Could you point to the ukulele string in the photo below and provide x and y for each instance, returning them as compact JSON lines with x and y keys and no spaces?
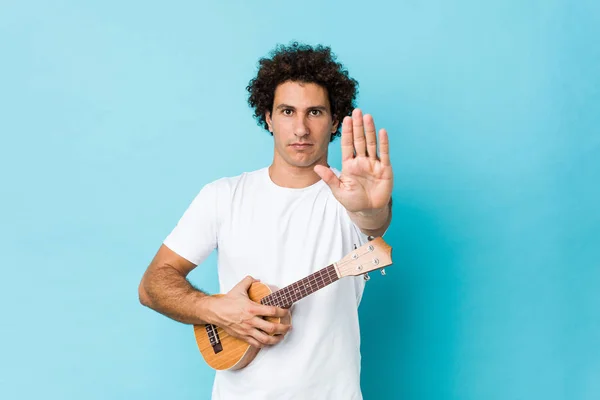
{"x":222,"y":334}
{"x":313,"y":287}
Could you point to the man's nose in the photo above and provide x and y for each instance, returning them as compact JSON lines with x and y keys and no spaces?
{"x":301,"y":126}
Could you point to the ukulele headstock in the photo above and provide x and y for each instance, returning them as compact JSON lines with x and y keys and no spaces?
{"x":373,"y":255}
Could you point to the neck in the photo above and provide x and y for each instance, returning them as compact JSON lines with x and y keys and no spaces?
{"x":290,"y":294}
{"x":291,"y":176}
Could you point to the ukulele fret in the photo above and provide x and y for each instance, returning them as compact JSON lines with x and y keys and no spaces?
{"x":298,"y":290}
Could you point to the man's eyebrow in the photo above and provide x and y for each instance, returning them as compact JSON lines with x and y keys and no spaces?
{"x":283,"y":105}
{"x":323,"y":108}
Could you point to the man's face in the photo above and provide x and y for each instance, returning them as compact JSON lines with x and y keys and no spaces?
{"x":301,"y":123}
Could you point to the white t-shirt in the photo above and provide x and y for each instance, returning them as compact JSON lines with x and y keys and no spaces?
{"x":280,"y":235}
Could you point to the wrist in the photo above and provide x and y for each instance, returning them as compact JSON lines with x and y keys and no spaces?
{"x":373,"y":222}
{"x":205,"y":309}
{"x":372,"y":212}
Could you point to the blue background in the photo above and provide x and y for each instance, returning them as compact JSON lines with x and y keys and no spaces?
{"x":113,"y":114}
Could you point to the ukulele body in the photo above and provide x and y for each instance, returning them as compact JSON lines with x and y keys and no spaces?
{"x":224,"y":352}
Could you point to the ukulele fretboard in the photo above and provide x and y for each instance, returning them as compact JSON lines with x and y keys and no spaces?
{"x":287,"y":296}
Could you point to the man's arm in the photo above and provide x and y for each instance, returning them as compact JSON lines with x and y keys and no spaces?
{"x":373,"y":222}
{"x":364,"y":186}
{"x":165,"y":289}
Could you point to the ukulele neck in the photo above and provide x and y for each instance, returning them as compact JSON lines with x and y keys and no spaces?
{"x":290,"y":294}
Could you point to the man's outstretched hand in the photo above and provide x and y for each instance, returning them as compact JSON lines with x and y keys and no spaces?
{"x":366,"y":180}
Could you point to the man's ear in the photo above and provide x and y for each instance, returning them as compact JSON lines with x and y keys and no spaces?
{"x":335,"y":124}
{"x":269,"y":121}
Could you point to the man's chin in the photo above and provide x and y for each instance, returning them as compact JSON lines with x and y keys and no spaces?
{"x":301,"y":160}
{"x":304,"y":163}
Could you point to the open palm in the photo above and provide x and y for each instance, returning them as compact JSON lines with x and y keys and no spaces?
{"x":366,"y":180}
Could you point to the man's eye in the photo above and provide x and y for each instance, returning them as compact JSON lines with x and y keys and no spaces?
{"x":287,"y":111}
{"x":315,"y":112}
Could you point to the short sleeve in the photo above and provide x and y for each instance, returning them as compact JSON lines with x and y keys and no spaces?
{"x":195,"y":235}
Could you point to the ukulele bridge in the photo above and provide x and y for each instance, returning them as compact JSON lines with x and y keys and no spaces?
{"x":213,"y":337}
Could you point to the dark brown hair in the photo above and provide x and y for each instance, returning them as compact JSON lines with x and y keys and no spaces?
{"x":302,"y":63}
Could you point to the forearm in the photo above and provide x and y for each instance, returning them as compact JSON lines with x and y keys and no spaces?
{"x":166,"y":291}
{"x":373,"y":222}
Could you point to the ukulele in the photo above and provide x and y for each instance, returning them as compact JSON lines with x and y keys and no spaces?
{"x":224,"y":352}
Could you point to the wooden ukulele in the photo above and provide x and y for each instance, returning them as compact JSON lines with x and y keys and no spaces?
{"x":224,"y":352}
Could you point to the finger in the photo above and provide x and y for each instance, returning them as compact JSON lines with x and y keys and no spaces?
{"x":270,"y":328}
{"x":328,"y":176}
{"x":371,"y":137}
{"x":244,"y":284}
{"x":265,"y":339}
{"x":252,"y":342}
{"x":347,"y":140}
{"x":358,"y":133}
{"x":243,"y":332}
{"x":384,"y":147}
{"x":268,"y":311}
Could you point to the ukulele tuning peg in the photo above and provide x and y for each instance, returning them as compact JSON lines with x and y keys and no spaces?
{"x":367,"y":277}
{"x":383,"y":271}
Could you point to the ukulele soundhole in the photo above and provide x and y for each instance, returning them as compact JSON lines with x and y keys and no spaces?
{"x":213,"y":337}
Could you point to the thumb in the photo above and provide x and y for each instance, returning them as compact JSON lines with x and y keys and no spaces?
{"x":245,"y":284}
{"x":328,"y":177}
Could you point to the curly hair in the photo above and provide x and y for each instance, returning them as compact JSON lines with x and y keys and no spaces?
{"x":302,"y":63}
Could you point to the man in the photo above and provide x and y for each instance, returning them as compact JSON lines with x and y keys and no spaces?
{"x":281,"y":223}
